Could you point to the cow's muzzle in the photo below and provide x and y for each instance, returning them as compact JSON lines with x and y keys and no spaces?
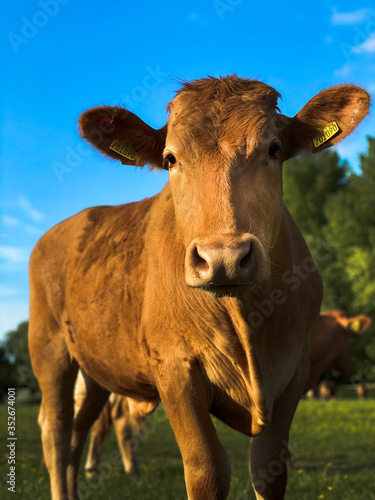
{"x":225,"y":262}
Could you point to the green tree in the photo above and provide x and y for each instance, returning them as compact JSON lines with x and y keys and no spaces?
{"x":17,"y":352}
{"x":350,"y":230}
{"x":308,"y":183}
{"x":335,"y":209}
{"x":7,"y":374}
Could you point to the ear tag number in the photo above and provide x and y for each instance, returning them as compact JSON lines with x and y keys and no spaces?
{"x":122,"y":149}
{"x":329,"y":131}
{"x":355,"y":325}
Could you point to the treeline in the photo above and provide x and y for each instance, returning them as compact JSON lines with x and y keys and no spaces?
{"x":335,"y":210}
{"x":15,"y":363}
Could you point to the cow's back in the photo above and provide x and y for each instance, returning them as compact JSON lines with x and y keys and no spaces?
{"x":87,"y":277}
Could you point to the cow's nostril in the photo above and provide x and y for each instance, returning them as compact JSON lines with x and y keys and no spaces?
{"x":199,"y":261}
{"x":247,"y":261}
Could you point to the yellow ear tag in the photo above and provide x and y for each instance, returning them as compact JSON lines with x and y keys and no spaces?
{"x":355,"y":325}
{"x":329,"y":131}
{"x":122,"y":149}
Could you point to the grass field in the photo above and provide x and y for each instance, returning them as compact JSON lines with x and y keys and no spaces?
{"x":333,"y":446}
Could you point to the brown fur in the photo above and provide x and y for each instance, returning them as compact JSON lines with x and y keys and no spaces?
{"x":156,"y":299}
{"x":230,"y":118}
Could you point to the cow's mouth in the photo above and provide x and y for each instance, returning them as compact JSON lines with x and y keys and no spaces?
{"x":233,"y":290}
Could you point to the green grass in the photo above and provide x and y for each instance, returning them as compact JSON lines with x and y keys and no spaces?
{"x":333,"y":446}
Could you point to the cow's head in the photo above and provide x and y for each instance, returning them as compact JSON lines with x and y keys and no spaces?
{"x":341,"y":330}
{"x":224,"y":146}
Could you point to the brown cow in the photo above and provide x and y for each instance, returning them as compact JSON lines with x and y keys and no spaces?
{"x":160,"y":299}
{"x":327,"y":390}
{"x":361,"y":390}
{"x":117,"y":411}
{"x":330,"y":344}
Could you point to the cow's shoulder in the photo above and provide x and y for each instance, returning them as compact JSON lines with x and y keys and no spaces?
{"x":91,"y":227}
{"x":90,"y":252}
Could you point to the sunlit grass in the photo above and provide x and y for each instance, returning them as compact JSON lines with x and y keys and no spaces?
{"x":333,"y":447}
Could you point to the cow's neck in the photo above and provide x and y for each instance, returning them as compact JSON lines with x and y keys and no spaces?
{"x":224,"y":325}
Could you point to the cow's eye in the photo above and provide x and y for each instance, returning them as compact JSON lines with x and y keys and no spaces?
{"x":273,"y":150}
{"x":171,"y":160}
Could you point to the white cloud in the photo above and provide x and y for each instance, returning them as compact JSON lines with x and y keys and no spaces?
{"x":30,"y":211}
{"x":367,"y":46}
{"x":14,"y":255}
{"x":344,"y":71}
{"x":12,"y":222}
{"x":33,"y":230}
{"x":7,"y":220}
{"x":11,"y":314}
{"x":350,"y":18}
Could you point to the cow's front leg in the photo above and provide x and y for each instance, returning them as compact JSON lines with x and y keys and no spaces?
{"x":187,"y":397}
{"x":269,"y":455}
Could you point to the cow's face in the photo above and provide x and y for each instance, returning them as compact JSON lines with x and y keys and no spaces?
{"x":223,"y":146}
{"x":224,"y":160}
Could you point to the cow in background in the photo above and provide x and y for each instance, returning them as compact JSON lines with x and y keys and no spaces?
{"x":330,"y":344}
{"x":327,"y":390}
{"x":361,"y":390}
{"x":126,"y":414}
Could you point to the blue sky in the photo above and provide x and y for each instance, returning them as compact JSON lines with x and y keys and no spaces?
{"x":61,"y":57}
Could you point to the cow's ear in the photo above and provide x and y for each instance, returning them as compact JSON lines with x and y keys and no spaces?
{"x":120,"y":134}
{"x":327,"y":119}
{"x":359,"y":324}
